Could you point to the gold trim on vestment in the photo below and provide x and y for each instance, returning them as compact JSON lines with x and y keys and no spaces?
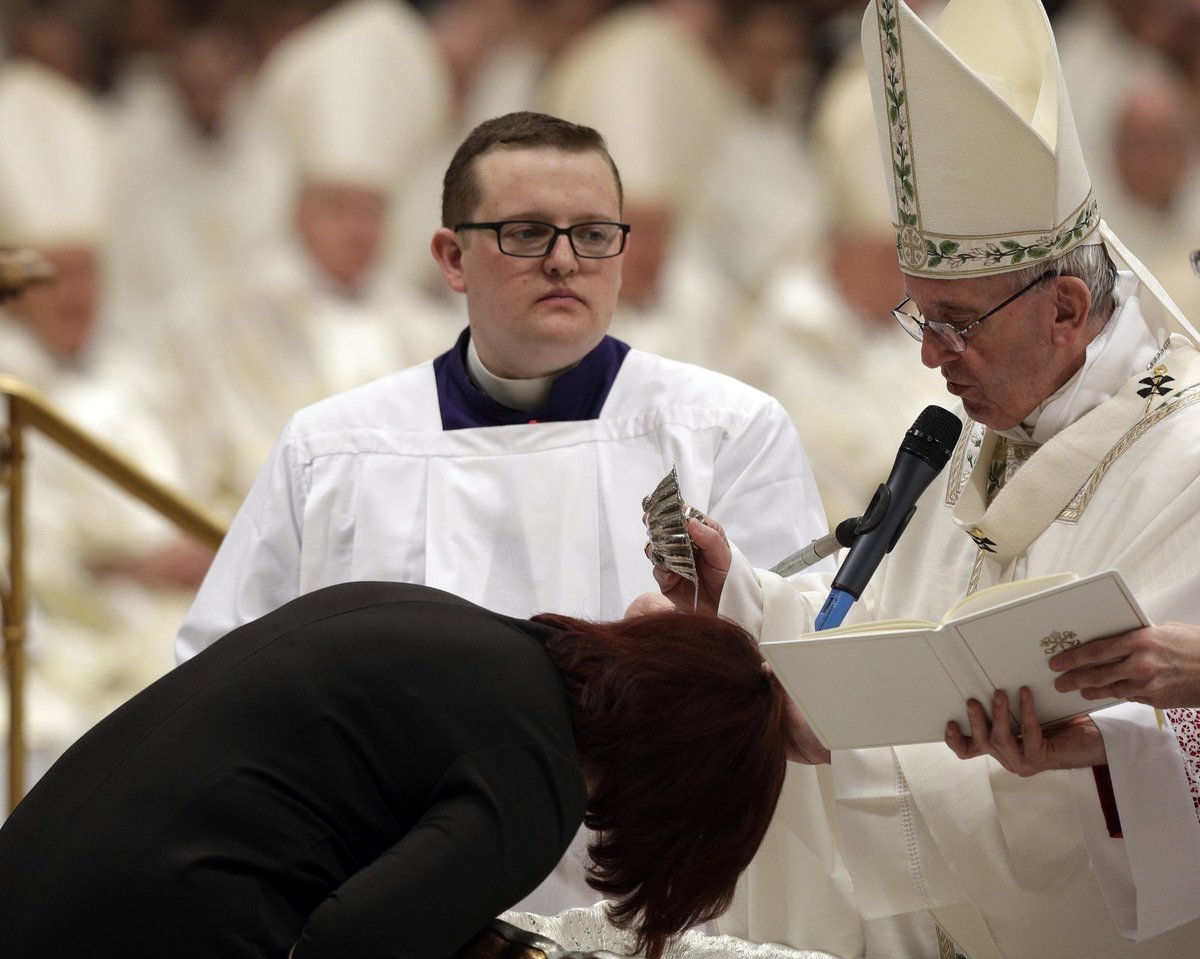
{"x":958,"y":477}
{"x":1072,"y":512}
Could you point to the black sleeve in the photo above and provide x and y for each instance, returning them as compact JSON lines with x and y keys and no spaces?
{"x":497,"y":824}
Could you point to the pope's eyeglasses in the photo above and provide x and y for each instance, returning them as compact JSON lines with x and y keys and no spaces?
{"x":915,"y":324}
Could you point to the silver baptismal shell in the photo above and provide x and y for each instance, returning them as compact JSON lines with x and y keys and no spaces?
{"x":666,"y":521}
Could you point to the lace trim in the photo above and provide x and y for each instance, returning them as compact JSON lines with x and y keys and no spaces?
{"x":589,"y":929}
{"x":1185,"y":723}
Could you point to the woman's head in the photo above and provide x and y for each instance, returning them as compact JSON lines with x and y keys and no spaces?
{"x":683,"y":737}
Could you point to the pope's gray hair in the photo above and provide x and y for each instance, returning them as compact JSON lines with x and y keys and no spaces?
{"x":1090,"y":263}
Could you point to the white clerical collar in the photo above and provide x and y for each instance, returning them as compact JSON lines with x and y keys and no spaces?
{"x":515,"y":394}
{"x":1125,"y":346}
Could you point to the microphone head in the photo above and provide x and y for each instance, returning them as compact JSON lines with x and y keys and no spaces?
{"x":932,"y":436}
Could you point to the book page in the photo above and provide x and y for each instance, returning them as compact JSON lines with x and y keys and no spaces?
{"x":1002,"y":593}
{"x":1013,"y":644}
{"x":868,"y":691}
{"x":880,"y":627}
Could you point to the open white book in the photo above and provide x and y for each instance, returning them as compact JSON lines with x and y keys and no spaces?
{"x":900,"y":681}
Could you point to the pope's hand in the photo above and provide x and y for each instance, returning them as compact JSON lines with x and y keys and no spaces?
{"x":713,"y":559}
{"x":1071,"y":745}
{"x":1158,"y":665}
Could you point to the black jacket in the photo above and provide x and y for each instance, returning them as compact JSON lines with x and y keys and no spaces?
{"x":375,"y":769}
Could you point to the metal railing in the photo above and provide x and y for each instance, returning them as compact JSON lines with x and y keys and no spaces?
{"x":28,"y":409}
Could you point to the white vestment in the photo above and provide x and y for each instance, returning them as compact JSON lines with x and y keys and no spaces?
{"x":522,"y":518}
{"x":664,"y":105}
{"x":863,"y":855}
{"x":295,"y":339}
{"x":95,"y":638}
{"x":851,"y":384}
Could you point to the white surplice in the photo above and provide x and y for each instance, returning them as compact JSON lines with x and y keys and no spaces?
{"x":521,"y":519}
{"x":863,"y":856}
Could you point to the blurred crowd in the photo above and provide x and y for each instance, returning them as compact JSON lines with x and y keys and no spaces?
{"x":238,"y":197}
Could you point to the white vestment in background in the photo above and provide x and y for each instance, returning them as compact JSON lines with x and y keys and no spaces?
{"x":295,"y":339}
{"x":95,"y":638}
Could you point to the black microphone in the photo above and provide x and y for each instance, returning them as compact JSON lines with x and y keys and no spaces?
{"x":844,"y":535}
{"x":924,"y":451}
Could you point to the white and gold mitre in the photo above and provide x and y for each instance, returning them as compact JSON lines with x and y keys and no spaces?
{"x":976,"y":130}
{"x":358,"y":94}
{"x":54,"y":160}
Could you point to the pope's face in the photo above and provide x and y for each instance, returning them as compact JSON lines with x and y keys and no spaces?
{"x":535,"y":316}
{"x":1013,"y":360}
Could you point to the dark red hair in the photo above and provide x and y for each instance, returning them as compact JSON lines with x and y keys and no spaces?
{"x":683,"y":737}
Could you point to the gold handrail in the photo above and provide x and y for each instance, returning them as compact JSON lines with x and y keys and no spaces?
{"x":28,"y":409}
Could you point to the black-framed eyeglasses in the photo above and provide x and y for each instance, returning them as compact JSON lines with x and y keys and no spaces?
{"x":594,"y":240}
{"x":954,"y":337}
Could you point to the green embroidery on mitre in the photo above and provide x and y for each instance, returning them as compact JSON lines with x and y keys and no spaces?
{"x":925,"y":252}
{"x":910,"y":243}
{"x":932,"y":254}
